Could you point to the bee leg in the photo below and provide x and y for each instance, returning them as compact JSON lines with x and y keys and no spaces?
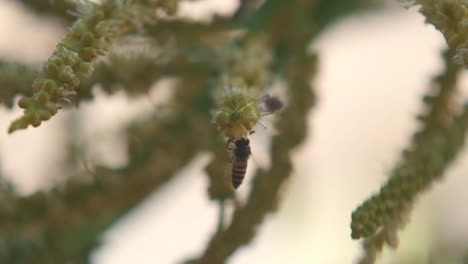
{"x":263,"y":124}
{"x":267,"y":113}
{"x":231,"y":140}
{"x":251,"y":132}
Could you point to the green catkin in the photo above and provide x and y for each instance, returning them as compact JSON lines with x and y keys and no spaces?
{"x":434,"y":146}
{"x":451,"y":18}
{"x":247,"y":73}
{"x":249,"y":62}
{"x":91,"y":36}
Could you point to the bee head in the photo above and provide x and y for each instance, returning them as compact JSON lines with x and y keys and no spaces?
{"x":242,"y":142}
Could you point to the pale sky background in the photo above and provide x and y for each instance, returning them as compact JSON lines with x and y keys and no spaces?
{"x":374,"y":69}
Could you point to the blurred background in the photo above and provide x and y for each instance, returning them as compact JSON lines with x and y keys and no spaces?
{"x":374,"y":67}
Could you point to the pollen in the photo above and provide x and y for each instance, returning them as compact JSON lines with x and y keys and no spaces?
{"x":238,"y":113}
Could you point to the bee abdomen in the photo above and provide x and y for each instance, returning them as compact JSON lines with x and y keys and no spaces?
{"x":238,"y":173}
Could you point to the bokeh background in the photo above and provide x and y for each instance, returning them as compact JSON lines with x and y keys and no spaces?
{"x":374,"y":67}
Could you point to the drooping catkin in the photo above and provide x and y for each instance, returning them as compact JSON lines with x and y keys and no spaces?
{"x":434,"y":146}
{"x":91,"y":36}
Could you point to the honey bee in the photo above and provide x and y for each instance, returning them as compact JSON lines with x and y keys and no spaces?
{"x":240,"y":111}
{"x":240,"y":159}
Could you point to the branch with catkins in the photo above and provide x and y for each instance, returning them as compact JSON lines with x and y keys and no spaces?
{"x":434,"y":146}
{"x":91,"y":36}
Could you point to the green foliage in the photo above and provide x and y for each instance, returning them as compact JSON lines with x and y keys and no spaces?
{"x":252,"y":49}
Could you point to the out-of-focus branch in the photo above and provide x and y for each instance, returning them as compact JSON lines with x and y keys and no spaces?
{"x":219,"y":176}
{"x":245,"y":8}
{"x":158,"y":146}
{"x":191,"y":33}
{"x":49,"y":219}
{"x":15,"y":79}
{"x":328,"y":11}
{"x":58,"y":8}
{"x":136,"y":73}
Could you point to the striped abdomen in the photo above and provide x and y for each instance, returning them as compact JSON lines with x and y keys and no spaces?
{"x":239,"y":167}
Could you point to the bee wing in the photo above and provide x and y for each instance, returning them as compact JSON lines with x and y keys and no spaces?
{"x":270,"y":104}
